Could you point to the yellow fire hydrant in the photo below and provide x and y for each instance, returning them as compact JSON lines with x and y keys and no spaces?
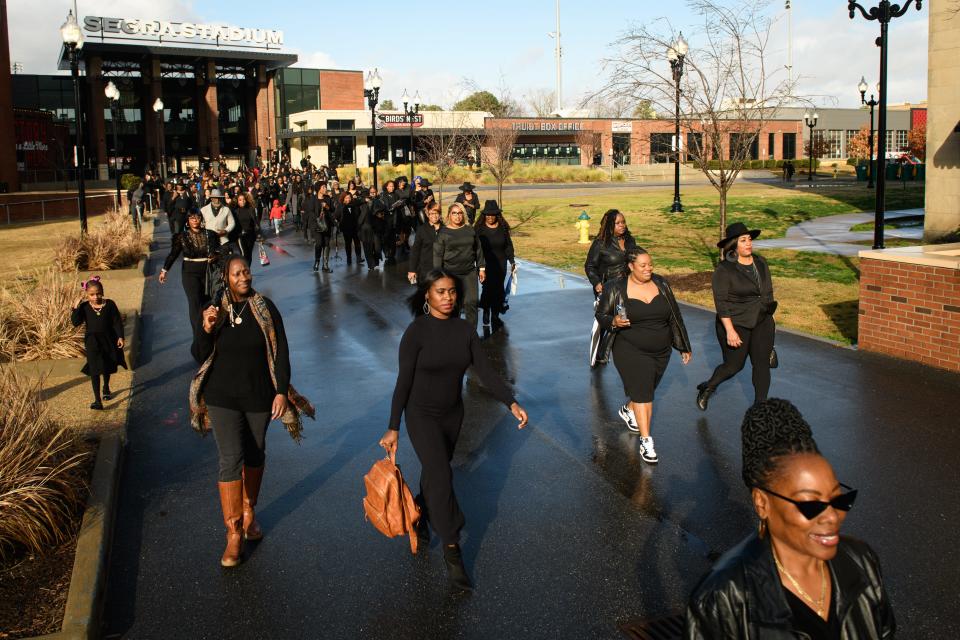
{"x":583,"y":226}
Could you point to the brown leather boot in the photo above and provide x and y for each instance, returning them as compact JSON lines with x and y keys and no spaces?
{"x":252,"y":477}
{"x":231,"y":501}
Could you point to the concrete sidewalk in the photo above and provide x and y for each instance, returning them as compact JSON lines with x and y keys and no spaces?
{"x":832,"y":234}
{"x":568,"y":532}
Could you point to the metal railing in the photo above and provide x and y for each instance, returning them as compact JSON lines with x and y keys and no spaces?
{"x":45,"y":203}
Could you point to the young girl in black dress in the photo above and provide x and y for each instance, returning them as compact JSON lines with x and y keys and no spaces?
{"x":103,"y":341}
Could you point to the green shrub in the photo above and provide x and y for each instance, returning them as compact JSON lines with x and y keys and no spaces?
{"x":129,"y":181}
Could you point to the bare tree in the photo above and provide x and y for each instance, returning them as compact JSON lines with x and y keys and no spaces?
{"x":498,"y":154}
{"x":589,"y":141}
{"x":451,"y":142}
{"x":727,"y":91}
{"x":542,"y":102}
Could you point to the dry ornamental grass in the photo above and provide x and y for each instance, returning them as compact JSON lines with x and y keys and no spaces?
{"x":35,"y":318}
{"x":112,"y":244}
{"x":41,"y":487}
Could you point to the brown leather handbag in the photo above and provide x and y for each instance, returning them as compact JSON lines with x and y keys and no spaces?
{"x":389,"y":505}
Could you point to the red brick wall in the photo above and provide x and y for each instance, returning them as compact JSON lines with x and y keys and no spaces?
{"x":910,"y":311}
{"x":341,"y":90}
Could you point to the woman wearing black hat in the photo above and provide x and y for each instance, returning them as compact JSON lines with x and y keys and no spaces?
{"x":743,"y":296}
{"x":457,"y":250}
{"x":469,"y":200}
{"x":494,"y":234}
{"x":422,"y":199}
{"x":200,"y":248}
{"x":796,"y":576}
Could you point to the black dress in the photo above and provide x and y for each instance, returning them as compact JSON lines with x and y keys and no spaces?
{"x":198,"y":275}
{"x":641,"y":351}
{"x":103,"y":329}
{"x":497,"y":250}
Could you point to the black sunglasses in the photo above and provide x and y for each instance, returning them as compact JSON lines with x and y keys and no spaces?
{"x":812,"y":508}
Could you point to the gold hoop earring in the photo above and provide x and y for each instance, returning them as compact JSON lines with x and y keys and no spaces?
{"x":426,"y":308}
{"x":762,"y":529}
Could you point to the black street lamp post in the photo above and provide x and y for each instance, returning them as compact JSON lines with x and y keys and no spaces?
{"x":870,"y":103}
{"x":73,"y":41}
{"x":811,"y":122}
{"x":158,"y":108}
{"x":371,"y":92}
{"x":113,"y":95}
{"x":676,"y":53}
{"x":410,"y":114}
{"x":883,"y":13}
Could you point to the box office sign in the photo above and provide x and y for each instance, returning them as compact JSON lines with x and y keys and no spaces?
{"x":394,"y":120}
{"x":547,"y":126}
{"x":162,"y":30}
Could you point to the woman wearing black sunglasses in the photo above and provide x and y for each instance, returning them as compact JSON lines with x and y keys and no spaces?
{"x":796,"y":574}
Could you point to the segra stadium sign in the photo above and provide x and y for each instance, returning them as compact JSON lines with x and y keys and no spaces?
{"x":181,"y":31}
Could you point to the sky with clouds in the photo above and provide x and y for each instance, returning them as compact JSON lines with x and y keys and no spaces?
{"x":440,"y":47}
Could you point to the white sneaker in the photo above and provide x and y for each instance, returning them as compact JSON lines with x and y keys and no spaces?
{"x":647,"y":452}
{"x":627,"y":414}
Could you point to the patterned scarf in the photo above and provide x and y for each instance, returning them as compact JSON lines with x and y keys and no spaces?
{"x":296,"y":404}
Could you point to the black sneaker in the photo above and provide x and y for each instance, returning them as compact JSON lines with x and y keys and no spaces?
{"x":647,"y":452}
{"x":97,"y":406}
{"x":628,"y":416}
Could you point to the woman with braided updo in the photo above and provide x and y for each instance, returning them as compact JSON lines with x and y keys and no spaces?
{"x":796,"y":576}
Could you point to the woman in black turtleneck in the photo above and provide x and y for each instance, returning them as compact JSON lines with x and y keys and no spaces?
{"x":435,"y":351}
{"x":457,"y":249}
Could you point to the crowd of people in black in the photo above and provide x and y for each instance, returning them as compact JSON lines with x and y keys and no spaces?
{"x":795,"y":575}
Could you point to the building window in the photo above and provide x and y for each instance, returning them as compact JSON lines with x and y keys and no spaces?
{"x":739,"y":140}
{"x":789,"y":146}
{"x":661,"y":147}
{"x":848,"y":136}
{"x":902,"y":143}
{"x":694,"y":146}
{"x":341,"y":125}
{"x":540,"y":153}
{"x":771,"y":144}
{"x":833,"y":139}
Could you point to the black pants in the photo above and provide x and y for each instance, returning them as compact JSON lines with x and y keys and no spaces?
{"x":247,"y":242}
{"x":177,"y":223}
{"x":757,"y":343}
{"x":352,"y":241}
{"x":371,"y":248}
{"x":471,"y":297}
{"x":241,"y":440}
{"x":389,"y":242}
{"x":434,"y":439}
{"x":194,"y":278}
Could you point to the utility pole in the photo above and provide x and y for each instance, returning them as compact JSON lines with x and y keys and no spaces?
{"x":789,"y":44}
{"x":558,"y":53}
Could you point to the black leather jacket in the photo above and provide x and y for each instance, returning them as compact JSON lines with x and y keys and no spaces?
{"x":742,"y":597}
{"x":606,"y":261}
{"x":615,"y":293}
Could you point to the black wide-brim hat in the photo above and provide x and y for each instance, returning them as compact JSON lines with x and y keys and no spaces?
{"x":491,"y":208}
{"x":466,"y":186}
{"x":424,"y":182}
{"x":736,"y":230}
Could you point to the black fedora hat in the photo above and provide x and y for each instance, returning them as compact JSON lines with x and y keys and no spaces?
{"x":491,"y":208}
{"x":466,"y":186}
{"x":736,"y":230}
{"x":425,"y":183}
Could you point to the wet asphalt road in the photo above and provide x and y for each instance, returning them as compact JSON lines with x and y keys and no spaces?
{"x":568,"y":532}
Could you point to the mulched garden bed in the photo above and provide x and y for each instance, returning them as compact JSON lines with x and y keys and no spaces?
{"x":33,"y":588}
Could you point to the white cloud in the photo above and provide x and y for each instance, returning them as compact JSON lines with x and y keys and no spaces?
{"x":35,"y":25}
{"x":315,"y":60}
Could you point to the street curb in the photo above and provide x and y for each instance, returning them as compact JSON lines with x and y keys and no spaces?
{"x":81,"y":617}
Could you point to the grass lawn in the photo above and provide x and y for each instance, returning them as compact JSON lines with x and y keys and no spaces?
{"x":817,"y":293}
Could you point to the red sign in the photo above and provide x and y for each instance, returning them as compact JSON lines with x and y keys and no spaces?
{"x":35,"y":133}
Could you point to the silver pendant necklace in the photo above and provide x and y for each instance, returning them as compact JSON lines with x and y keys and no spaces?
{"x":235,"y":318}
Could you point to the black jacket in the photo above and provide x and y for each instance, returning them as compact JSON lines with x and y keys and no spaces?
{"x":742,"y":598}
{"x":737,"y":296}
{"x":606,"y":261}
{"x":615,"y":293}
{"x":458,"y":250}
{"x":421,"y":253}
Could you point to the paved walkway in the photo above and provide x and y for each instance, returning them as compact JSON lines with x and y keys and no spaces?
{"x":832,"y":234}
{"x":568,"y":532}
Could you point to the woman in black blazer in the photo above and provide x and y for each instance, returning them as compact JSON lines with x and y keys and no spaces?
{"x":743,"y":296}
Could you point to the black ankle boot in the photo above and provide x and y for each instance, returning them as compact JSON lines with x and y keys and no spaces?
{"x":703,"y":395}
{"x":316,"y":266}
{"x":455,"y":569}
{"x":107,"y":394}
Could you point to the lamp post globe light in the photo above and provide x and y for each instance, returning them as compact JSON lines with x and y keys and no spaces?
{"x":73,"y":41}
{"x":113,"y":95}
{"x":884,"y":12}
{"x":409,"y":114}
{"x":862,"y":86}
{"x":158,"y":109}
{"x":675,"y":54}
{"x":371,"y":91}
{"x":811,"y":122}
